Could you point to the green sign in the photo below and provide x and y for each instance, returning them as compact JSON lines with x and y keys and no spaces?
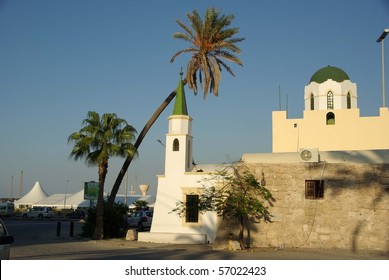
{"x":91,"y":190}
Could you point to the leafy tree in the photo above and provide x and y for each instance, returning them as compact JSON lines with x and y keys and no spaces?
{"x":100,"y":139}
{"x":212,"y":41}
{"x":234,"y":193}
{"x":141,"y":204}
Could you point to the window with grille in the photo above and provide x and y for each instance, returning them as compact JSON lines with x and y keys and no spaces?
{"x":330,"y":100}
{"x":192,"y":208}
{"x":314,"y":189}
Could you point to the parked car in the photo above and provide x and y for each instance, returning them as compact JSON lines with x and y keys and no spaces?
{"x":5,"y":242}
{"x":39,"y":212}
{"x":77,"y":214}
{"x":140,"y":219}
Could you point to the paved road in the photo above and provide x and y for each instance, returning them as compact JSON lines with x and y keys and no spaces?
{"x":38,"y":240}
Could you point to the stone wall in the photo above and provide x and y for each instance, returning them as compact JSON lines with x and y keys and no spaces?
{"x":353,"y":214}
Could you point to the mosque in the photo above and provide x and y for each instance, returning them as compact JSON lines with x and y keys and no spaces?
{"x":328,"y":171}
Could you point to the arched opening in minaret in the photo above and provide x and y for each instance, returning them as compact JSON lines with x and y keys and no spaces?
{"x":188,"y":156}
{"x":176,"y":145}
{"x":330,"y":118}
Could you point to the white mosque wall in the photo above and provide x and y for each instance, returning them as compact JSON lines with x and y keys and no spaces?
{"x":169,"y":227}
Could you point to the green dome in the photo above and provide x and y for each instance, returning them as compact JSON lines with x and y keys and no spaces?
{"x":329,"y":72}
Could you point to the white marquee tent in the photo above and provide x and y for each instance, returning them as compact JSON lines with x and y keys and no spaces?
{"x":34,"y":195}
{"x":38,"y":197}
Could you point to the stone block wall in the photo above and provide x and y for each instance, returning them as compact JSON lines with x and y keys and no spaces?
{"x":353,"y":214}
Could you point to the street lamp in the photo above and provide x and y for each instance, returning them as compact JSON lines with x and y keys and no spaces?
{"x":381,"y":39}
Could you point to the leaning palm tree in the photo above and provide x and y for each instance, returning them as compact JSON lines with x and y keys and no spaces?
{"x":212,"y":43}
{"x":100,"y":139}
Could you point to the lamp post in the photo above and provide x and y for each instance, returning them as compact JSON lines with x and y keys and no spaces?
{"x":381,"y":39}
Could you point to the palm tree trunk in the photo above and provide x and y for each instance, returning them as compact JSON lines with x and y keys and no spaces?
{"x":139,"y":140}
{"x":99,"y":226}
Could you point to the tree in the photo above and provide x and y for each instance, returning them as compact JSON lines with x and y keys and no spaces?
{"x":114,"y":219}
{"x":141,"y":204}
{"x":234,"y":193}
{"x":212,"y":43}
{"x":100,"y":139}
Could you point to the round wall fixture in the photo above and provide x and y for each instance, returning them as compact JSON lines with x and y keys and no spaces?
{"x":306,"y":155}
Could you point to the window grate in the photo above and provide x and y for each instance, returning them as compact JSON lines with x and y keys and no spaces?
{"x":314,"y":189}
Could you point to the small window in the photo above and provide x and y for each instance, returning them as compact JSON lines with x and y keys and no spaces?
{"x":330,"y":100}
{"x":176,"y":145}
{"x":192,"y":208}
{"x":188,"y":156}
{"x":312,"y":102}
{"x":314,"y":189}
{"x":348,"y":101}
{"x":330,"y":118}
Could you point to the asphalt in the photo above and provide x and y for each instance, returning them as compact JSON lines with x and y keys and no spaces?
{"x":48,"y":246}
{"x":75,"y":248}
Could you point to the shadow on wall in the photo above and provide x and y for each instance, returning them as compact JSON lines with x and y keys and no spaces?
{"x":376,"y":179}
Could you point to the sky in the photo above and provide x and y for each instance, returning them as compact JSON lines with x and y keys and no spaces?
{"x":61,"y":59}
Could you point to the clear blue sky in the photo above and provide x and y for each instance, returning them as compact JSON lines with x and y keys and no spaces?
{"x":61,"y":59}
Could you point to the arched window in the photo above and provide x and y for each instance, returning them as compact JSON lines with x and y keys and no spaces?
{"x":176,"y":145}
{"x":330,"y":118}
{"x":312,"y":102}
{"x":348,"y":101}
{"x":330,"y":100}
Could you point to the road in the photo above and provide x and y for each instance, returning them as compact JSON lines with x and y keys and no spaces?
{"x":38,"y":240}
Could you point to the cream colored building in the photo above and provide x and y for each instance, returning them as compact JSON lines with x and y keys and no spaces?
{"x":328,"y":173}
{"x":331,"y":119}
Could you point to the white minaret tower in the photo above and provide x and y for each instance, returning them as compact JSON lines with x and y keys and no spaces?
{"x":178,"y":158}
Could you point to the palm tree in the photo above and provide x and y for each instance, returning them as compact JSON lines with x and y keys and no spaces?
{"x":212,"y":43}
{"x":141,"y":204}
{"x":100,"y":139}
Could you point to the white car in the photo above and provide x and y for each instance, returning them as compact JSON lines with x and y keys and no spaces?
{"x":140,"y":219}
{"x":39,"y":212}
{"x":5,"y":242}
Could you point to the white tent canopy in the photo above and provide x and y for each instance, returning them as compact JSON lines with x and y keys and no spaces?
{"x":34,"y":195}
{"x":38,"y":197}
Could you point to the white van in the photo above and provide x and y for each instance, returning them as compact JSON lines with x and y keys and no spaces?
{"x":39,"y":212}
{"x":6,"y":208}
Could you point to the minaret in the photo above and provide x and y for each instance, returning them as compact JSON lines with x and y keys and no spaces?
{"x":178,"y":159}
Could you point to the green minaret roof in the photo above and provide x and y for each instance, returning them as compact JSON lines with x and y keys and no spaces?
{"x":180,"y":103}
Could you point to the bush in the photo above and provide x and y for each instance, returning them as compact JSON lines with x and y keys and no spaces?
{"x":113,"y":221}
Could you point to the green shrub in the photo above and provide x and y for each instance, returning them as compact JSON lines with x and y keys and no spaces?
{"x":113,"y":221}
